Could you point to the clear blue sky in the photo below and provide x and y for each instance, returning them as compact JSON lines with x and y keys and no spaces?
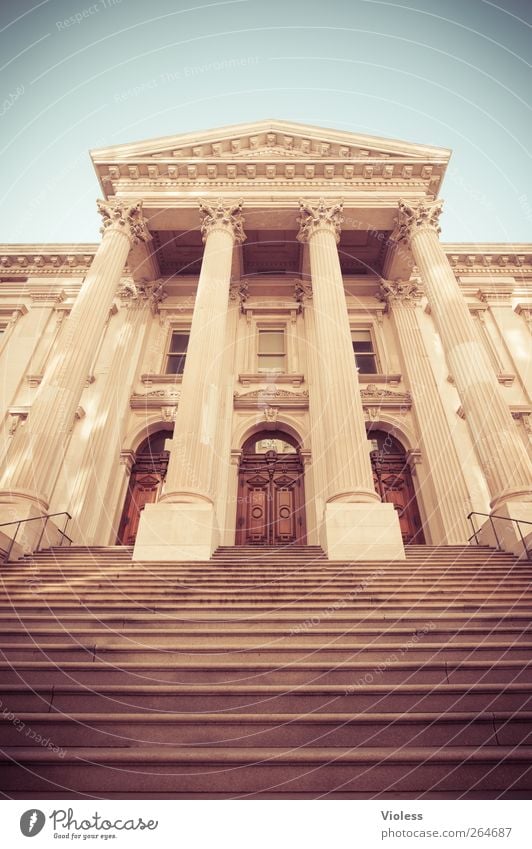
{"x":454,"y":74}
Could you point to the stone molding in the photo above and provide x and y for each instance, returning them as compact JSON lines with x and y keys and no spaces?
{"x":269,"y":395}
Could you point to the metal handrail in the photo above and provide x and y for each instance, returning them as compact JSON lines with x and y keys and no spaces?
{"x":19,"y":522}
{"x":491,"y":516}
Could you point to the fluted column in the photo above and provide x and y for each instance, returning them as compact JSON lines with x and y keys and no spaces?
{"x":303,"y":294}
{"x":348,"y":463}
{"x":452,"y":501}
{"x":190,"y":467}
{"x":90,"y":505}
{"x":38,"y":449}
{"x":506,"y":465}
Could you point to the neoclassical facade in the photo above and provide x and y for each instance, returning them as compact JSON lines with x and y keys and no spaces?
{"x":269,"y":346}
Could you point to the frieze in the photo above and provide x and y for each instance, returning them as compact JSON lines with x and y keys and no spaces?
{"x":263,"y":399}
{"x":164,"y":400}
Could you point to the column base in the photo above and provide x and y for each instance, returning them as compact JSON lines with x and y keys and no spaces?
{"x":170,"y":531}
{"x":503,"y":533}
{"x":355,"y":531}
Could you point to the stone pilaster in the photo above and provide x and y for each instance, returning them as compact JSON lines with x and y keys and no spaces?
{"x":507,"y":467}
{"x":512,"y":332}
{"x":451,"y":495}
{"x":303,"y":295}
{"x":349,"y":474}
{"x":38,"y":449}
{"x":183,"y":524}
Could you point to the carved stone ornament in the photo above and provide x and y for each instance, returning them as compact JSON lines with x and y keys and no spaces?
{"x":126,"y":217}
{"x":239,"y":292}
{"x":412,"y":219}
{"x":152,"y":292}
{"x":271,"y":393}
{"x":404,"y":291}
{"x":319,"y":217}
{"x":223,"y":216}
{"x":270,"y":414}
{"x":302,"y":291}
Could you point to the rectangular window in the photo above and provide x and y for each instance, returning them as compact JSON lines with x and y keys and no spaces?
{"x":364,"y":351}
{"x":177,"y":352}
{"x":272,"y":352}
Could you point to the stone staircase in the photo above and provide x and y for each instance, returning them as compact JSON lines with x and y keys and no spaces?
{"x":268,"y":673}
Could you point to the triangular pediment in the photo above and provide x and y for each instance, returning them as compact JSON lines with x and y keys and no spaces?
{"x":269,"y":139}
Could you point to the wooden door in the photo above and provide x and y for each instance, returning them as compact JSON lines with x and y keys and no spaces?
{"x":143,"y":489}
{"x":393,"y":482}
{"x":271,"y":501}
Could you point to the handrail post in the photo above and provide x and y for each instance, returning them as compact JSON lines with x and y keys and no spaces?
{"x":517,"y":522}
{"x":495,"y":534}
{"x":475,"y":532}
{"x":64,"y":530}
{"x":12,"y":543}
{"x":42,"y":532}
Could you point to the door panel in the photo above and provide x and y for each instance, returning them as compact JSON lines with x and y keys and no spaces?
{"x":270,"y":501}
{"x":143,"y":489}
{"x":393,"y":482}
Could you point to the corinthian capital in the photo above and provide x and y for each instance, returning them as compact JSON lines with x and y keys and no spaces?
{"x":223,"y":216}
{"x":319,"y":217}
{"x":126,"y":217}
{"x":404,"y":291}
{"x":413,"y":219}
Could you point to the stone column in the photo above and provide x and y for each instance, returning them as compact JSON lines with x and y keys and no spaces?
{"x":182,"y":525}
{"x":506,"y":465}
{"x":452,"y":502}
{"x":38,"y":450}
{"x":91,"y":504}
{"x":356,"y":525}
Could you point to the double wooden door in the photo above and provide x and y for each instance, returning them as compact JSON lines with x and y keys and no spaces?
{"x":271,"y":500}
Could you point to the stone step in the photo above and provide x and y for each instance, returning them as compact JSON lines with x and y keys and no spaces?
{"x":297,"y":621}
{"x":112,"y":649}
{"x":96,"y":672}
{"x":309,"y":610}
{"x":351,"y":697}
{"x":184,"y":593}
{"x":347,"y":730}
{"x":265,"y":638}
{"x":256,"y":771}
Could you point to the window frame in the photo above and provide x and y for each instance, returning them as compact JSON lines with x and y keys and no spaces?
{"x":267,"y":327}
{"x":375,"y":353}
{"x":182,"y":330}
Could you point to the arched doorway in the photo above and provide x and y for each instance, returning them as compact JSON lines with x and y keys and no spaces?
{"x":145,"y":483}
{"x":393,"y":481}
{"x":271,"y":497}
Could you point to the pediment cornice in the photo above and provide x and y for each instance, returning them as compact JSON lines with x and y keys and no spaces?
{"x":271,"y":135}
{"x":267,"y":151}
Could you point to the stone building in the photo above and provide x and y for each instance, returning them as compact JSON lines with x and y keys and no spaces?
{"x":270,"y":365}
{"x":277,"y":297}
